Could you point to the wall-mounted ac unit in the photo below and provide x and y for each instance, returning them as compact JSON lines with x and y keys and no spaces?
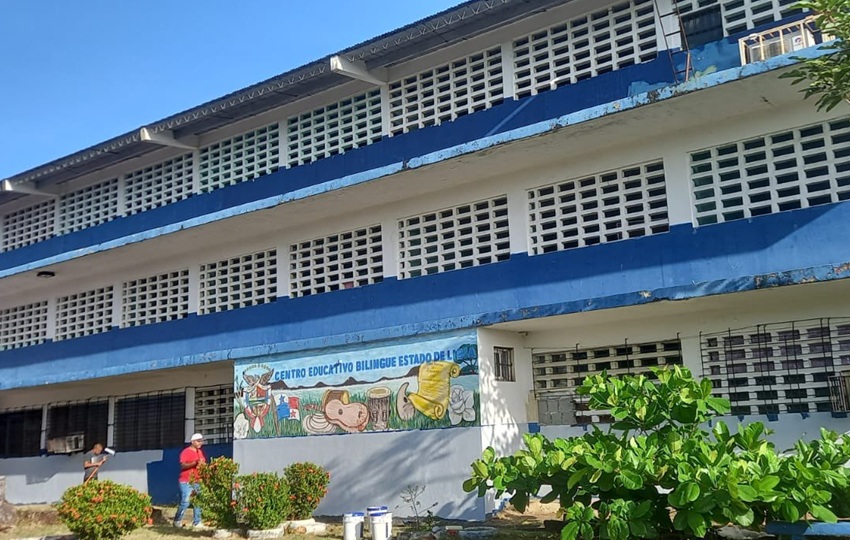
{"x":66,"y":445}
{"x":775,"y":42}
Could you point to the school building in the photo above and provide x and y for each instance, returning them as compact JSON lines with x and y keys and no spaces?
{"x":388,"y":259}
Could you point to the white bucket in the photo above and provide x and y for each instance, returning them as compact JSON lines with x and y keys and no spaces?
{"x":371,"y":510}
{"x":382,"y":525}
{"x":352,"y":526}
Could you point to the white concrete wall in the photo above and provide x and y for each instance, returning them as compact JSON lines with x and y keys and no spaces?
{"x":43,"y":479}
{"x":372,"y":469}
{"x":505,"y":405}
{"x":786,"y":430}
{"x":219,"y":241}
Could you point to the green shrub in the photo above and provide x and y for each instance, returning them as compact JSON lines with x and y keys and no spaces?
{"x":262,"y":500}
{"x":217,"y":479}
{"x":308,"y":485}
{"x":101,"y":509}
{"x":657,"y":473}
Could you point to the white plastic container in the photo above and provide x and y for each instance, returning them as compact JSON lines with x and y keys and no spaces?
{"x":369,"y":511}
{"x":381,"y":524}
{"x":352,"y":526}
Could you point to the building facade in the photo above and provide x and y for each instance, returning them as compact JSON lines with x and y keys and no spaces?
{"x":386,"y":260}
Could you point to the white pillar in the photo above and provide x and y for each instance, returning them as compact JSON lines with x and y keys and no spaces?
{"x":190,"y":412}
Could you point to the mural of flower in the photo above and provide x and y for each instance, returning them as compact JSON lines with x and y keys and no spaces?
{"x":240,"y":427}
{"x":461,"y":405}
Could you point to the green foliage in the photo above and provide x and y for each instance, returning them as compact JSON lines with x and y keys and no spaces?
{"x":217,"y":479}
{"x":101,"y":509}
{"x":262,"y":500}
{"x":828,"y":76}
{"x":308,"y":485}
{"x":656,"y":472}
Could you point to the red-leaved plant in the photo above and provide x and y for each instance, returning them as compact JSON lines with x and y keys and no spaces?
{"x":308,"y":485}
{"x":103,"y":510}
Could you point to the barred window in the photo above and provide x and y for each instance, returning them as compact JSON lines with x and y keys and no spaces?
{"x":214,"y":413}
{"x":20,"y":433}
{"x":90,"y":418}
{"x":779,"y":367}
{"x":558,"y":374}
{"x":503,"y":358}
{"x":150,"y":422}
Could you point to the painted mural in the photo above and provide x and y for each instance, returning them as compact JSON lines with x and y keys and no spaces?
{"x":403,"y":385}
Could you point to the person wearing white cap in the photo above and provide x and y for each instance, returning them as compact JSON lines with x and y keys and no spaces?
{"x":190,"y":458}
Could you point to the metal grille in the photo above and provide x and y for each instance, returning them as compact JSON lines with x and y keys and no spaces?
{"x":214,"y":413}
{"x":503,"y":359}
{"x":558,"y":374}
{"x":84,"y":313}
{"x":158,"y":185}
{"x":20,"y":433}
{"x":240,"y":158}
{"x":741,"y":15}
{"x":461,"y":237}
{"x":777,"y":368}
{"x":88,"y":207}
{"x":339,"y":261}
{"x":91,"y":418}
{"x":29,"y":225}
{"x":784,"y":171}
{"x":334,"y":129}
{"x":21,"y":326}
{"x":584,"y":47}
{"x":150,"y":422}
{"x":446,"y":92}
{"x":606,"y":207}
{"x":153,"y":299}
{"x":237,"y":282}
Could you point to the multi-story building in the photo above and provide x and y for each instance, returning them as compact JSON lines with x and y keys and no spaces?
{"x":386,"y":260}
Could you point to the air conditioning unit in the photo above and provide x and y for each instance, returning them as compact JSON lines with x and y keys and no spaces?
{"x":66,"y":445}
{"x":761,"y":47}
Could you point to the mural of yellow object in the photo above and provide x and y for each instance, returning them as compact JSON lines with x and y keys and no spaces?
{"x":432,"y":398}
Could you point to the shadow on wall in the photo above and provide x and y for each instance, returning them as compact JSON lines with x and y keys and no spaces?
{"x":162,"y":475}
{"x":373,"y":469}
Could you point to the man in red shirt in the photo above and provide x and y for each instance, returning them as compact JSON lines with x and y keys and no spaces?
{"x":190,"y":458}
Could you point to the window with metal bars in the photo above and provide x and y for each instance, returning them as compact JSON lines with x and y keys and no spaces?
{"x":503,"y":357}
{"x":150,"y":422}
{"x":20,"y":433}
{"x":558,"y":374}
{"x":90,"y":418}
{"x":775,"y":368}
{"x":214,"y":413}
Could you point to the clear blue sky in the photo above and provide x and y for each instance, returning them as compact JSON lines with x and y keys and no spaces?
{"x":74,"y":73}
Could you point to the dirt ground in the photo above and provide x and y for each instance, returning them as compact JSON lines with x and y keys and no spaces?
{"x":531,"y":519}
{"x":42,"y":520}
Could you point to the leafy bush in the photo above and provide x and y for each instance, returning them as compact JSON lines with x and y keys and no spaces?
{"x":217,"y":479}
{"x":308,"y":485}
{"x":101,"y":509}
{"x":656,"y":472}
{"x":262,"y":500}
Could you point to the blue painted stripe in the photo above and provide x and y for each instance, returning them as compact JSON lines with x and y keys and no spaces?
{"x":263,"y":204}
{"x":769,"y":251}
{"x":90,"y":241}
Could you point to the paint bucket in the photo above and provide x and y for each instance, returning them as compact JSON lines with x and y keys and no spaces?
{"x":381,"y":524}
{"x":370,"y":510}
{"x":352,"y":526}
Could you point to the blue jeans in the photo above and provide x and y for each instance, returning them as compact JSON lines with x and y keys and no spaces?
{"x":185,"y":493}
